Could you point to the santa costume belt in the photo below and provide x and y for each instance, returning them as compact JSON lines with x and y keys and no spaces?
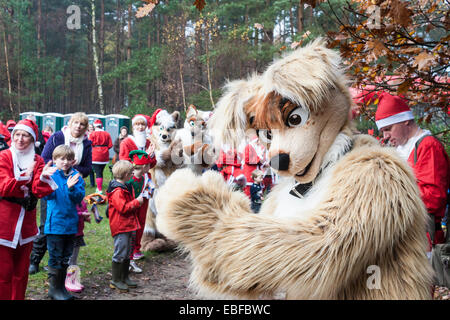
{"x":28,"y":203}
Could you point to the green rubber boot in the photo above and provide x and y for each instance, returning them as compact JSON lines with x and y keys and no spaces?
{"x":125,"y":274}
{"x":117,"y":282}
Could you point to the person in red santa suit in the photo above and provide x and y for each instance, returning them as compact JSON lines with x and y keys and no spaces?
{"x":137,"y":141}
{"x":230,"y":164}
{"x":5,"y":133}
{"x":23,"y":179}
{"x":254,"y":158}
{"x":101,"y":143}
{"x":423,"y":152}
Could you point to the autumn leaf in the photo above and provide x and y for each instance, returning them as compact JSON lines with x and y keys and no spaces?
{"x":199,"y":4}
{"x":145,"y":10}
{"x":404,"y":87}
{"x":377,"y":48}
{"x":423,"y":61}
{"x":400,"y":13}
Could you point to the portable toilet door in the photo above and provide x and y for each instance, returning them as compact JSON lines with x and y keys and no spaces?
{"x":37,"y":115}
{"x":93,"y":117}
{"x":53,"y":120}
{"x":66,"y":119}
{"x":113,"y":124}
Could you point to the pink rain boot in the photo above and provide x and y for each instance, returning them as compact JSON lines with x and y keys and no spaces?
{"x":73,"y":279}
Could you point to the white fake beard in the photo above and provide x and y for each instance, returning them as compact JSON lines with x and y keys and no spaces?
{"x":141,"y":139}
{"x":25,"y":157}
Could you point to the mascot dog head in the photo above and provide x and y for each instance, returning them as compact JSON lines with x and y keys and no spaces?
{"x":164,"y":127}
{"x":302,"y":99}
{"x":196,"y":120}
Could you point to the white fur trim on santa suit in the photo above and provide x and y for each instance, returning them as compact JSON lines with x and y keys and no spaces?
{"x":17,"y":233}
{"x":396,"y":118}
{"x":25,"y":128}
{"x":406,"y":149}
{"x":138,"y":117}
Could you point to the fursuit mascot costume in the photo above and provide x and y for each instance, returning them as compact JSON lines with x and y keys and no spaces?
{"x":169,"y":157}
{"x":345,"y":209}
{"x":197,"y":144}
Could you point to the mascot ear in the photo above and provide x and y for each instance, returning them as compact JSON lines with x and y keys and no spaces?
{"x":229,"y":120}
{"x":191,"y":111}
{"x":175,"y":116}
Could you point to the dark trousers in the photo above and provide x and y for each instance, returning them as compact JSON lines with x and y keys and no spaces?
{"x":40,"y":243}
{"x":60,"y":248}
{"x":98,"y":169}
{"x":92,"y":178}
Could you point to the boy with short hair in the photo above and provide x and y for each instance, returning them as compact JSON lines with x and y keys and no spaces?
{"x":123,"y":221}
{"x":61,"y":224}
{"x":256,"y":190}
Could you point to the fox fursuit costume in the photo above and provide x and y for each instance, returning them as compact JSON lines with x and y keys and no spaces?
{"x":344,"y":207}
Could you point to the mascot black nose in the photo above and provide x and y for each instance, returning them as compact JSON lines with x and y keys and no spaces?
{"x":280,"y":162}
{"x":164,"y":136}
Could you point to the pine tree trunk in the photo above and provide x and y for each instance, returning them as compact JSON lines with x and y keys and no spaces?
{"x":96,"y":63}
{"x":39,"y":24}
{"x":130,"y":12}
{"x":198,"y":76}
{"x":116,"y":89}
{"x":300,"y":17}
{"x":208,"y":72}
{"x":5,"y":45}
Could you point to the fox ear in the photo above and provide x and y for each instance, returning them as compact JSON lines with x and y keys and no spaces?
{"x":175,"y":116}
{"x":229,"y":120}
{"x":191,"y":111}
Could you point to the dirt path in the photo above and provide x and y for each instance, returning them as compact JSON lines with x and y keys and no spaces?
{"x":164,"y":276}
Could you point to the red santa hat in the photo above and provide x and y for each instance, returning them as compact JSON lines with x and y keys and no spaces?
{"x":391,"y":109}
{"x":153,"y":117}
{"x":29,"y":126}
{"x":138,"y":117}
{"x":98,"y":123}
{"x":10,"y":124}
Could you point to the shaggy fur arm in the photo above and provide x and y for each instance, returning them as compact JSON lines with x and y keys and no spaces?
{"x":236,"y":253}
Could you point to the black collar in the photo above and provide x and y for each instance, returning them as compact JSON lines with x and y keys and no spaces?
{"x":299,"y":190}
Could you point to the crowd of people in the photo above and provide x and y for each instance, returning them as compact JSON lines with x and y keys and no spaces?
{"x":51,"y":166}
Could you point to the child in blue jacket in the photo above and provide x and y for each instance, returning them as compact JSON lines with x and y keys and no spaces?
{"x":61,"y":224}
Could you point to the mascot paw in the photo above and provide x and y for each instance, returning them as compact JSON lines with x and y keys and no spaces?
{"x":150,"y":232}
{"x":160,"y":245}
{"x":187,"y":204}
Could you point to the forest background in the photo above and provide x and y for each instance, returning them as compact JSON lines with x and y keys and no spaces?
{"x":123,"y":56}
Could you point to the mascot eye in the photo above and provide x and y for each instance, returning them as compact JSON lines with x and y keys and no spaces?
{"x":192,"y":123}
{"x":168,"y":129}
{"x":161,"y":128}
{"x":297,"y":117}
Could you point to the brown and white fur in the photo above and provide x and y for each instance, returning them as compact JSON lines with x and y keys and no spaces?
{"x":167,"y":153}
{"x":363,"y":213}
{"x":196,"y":141}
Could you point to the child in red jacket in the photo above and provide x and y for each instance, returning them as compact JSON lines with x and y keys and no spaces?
{"x":123,"y":221}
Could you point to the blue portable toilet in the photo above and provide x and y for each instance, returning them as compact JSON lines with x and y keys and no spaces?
{"x":113,"y":124}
